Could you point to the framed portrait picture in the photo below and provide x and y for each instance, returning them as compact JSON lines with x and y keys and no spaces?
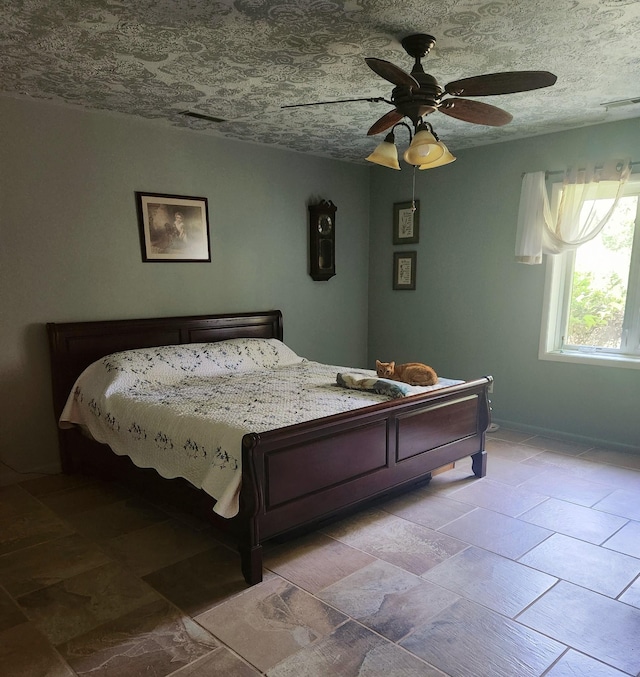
{"x":406,"y":222}
{"x":173,"y":227}
{"x":404,"y":270}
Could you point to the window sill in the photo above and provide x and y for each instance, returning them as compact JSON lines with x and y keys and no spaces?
{"x":596,"y":359}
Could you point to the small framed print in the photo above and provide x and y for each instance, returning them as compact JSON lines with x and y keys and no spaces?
{"x":173,"y":227}
{"x":404,"y":270}
{"x":406,"y":222}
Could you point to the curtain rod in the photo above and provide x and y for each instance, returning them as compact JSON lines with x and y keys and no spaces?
{"x":550,"y":172}
{"x":582,"y":169}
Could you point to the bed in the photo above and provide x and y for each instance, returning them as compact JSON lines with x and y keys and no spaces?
{"x":294,"y":477}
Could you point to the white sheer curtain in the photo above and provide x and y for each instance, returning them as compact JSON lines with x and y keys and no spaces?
{"x":578,"y":219}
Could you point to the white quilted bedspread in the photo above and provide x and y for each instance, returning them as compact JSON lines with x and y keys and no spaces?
{"x":183,"y":410}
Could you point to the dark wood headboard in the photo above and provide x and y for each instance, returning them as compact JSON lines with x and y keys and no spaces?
{"x":73,"y":346}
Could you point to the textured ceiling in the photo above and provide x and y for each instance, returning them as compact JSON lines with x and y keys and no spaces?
{"x":241,"y":60}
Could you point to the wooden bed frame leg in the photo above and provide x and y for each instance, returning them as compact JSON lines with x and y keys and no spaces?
{"x":479,"y":463}
{"x":67,"y":441}
{"x":251,"y":563}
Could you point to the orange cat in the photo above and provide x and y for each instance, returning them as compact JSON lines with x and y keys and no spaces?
{"x":413,"y":373}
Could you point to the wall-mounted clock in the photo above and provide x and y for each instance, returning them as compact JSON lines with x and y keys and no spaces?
{"x":322,"y":240}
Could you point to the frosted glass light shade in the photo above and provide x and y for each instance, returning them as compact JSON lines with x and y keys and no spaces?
{"x":443,"y":159}
{"x":385,"y":154}
{"x":424,"y":148}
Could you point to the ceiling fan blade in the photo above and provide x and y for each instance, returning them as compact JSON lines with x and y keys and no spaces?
{"x":501,"y":83}
{"x":475,"y":111}
{"x":391,"y":72}
{"x":387,"y":120}
{"x":374,"y":99}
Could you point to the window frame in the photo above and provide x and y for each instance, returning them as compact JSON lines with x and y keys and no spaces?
{"x":555,"y":308}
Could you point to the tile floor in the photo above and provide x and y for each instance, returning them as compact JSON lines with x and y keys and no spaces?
{"x":533,"y":570}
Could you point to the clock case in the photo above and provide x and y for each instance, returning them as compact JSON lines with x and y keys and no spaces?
{"x":322,"y":240}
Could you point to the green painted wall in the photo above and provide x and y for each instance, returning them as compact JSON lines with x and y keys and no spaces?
{"x":475,"y":310}
{"x":69,"y":245}
{"x":69,"y":250}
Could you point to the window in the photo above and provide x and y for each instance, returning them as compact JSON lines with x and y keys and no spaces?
{"x":591,"y":310}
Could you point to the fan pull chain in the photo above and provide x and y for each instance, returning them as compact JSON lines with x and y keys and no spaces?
{"x":413,"y":191}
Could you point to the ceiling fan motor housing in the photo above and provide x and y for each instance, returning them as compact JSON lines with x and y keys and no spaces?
{"x":414,"y":103}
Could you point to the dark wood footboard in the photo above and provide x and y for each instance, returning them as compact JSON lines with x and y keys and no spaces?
{"x":305,"y":474}
{"x":293,"y":478}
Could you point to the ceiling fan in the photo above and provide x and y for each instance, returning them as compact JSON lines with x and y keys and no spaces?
{"x":417,"y":94}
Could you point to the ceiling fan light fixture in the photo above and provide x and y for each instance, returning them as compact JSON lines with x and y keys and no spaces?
{"x":424,"y":147}
{"x":386,"y":153}
{"x":444,"y":158}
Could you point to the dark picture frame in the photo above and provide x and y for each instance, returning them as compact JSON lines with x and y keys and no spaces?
{"x":406,"y":222}
{"x":173,"y":228}
{"x":404,"y":270}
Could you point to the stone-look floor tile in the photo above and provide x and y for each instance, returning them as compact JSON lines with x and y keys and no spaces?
{"x":219,"y":662}
{"x":498,"y":497}
{"x":388,"y":600}
{"x":426,"y":509}
{"x":498,"y":533}
{"x":510,"y":450}
{"x":37,"y":526}
{"x":450,"y":481}
{"x":200,"y":582}
{"x":583,"y":467}
{"x":9,"y":476}
{"x":409,"y":546}
{"x":155,"y":639}
{"x":10,"y":614}
{"x":576,"y":465}
{"x":508,"y":471}
{"x":270,"y":621}
{"x":157,"y":546}
{"x":610,"y":476}
{"x":80,"y":603}
{"x":491,"y":580}
{"x":568,"y":487}
{"x":353,"y":651}
{"x":601,"y":473}
{"x":315,"y":561}
{"x":189,"y":583}
{"x":50,"y":483}
{"x":596,"y":625}
{"x":467,"y":639}
{"x":613,"y":457}
{"x":84,"y":497}
{"x":632,"y":594}
{"x":574,"y":520}
{"x":558,"y":446}
{"x":510,"y":435}
{"x":15,"y":501}
{"x":613,"y":476}
{"x":604,"y":571}
{"x":574,"y":664}
{"x":115,"y":519}
{"x":24,"y":652}
{"x":621,"y":502}
{"x":30,"y":569}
